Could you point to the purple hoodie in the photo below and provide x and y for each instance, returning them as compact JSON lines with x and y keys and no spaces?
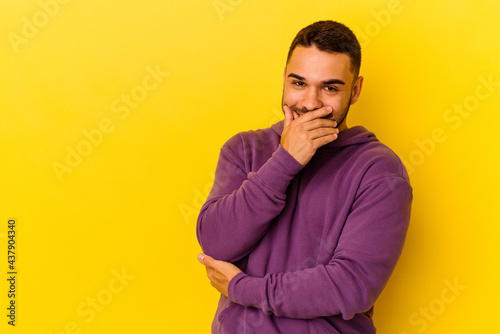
{"x":316,"y":243}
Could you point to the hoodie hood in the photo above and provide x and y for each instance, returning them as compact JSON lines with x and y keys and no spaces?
{"x":351,"y":136}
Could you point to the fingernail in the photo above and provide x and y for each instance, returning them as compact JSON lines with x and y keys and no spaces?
{"x":201,"y":257}
{"x":329,"y":108}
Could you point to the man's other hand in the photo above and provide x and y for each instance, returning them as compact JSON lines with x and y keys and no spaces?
{"x":220,"y":273}
{"x":303,"y":135}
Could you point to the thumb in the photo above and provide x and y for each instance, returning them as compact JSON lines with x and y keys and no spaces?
{"x":288,"y":115}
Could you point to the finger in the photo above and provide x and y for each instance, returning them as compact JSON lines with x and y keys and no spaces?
{"x":330,"y":115}
{"x":323,"y":140}
{"x":288,"y":115}
{"x":319,"y":123}
{"x":323,"y":132}
{"x":318,"y":113}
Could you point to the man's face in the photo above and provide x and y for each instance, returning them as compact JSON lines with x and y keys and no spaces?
{"x":315,"y":79}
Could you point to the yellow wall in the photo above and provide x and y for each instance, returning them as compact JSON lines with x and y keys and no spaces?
{"x":113,"y":113}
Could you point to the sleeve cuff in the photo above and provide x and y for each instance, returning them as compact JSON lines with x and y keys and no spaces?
{"x":248,"y":291}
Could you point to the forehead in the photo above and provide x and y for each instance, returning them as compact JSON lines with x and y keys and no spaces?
{"x":316,"y":65}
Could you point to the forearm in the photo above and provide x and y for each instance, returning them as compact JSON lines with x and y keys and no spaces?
{"x":322,"y":291}
{"x":231,"y":223}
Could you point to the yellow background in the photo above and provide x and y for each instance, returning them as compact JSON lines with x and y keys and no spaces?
{"x":131,"y":203}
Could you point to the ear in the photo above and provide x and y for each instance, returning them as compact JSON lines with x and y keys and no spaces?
{"x":356,"y":90}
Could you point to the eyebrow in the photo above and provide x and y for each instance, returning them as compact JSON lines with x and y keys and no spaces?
{"x":327,"y":82}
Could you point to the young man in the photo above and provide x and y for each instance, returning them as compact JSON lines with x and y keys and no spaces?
{"x":306,"y":219}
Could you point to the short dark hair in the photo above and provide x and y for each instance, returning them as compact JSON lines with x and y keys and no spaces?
{"x":330,"y":36}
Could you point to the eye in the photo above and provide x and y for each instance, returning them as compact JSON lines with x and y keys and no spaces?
{"x":299,"y":84}
{"x":331,"y":89}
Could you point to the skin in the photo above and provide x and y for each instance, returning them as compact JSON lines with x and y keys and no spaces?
{"x":318,"y":89}
{"x":220,"y":273}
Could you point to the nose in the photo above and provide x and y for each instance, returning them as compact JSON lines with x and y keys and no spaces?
{"x":312,"y":99}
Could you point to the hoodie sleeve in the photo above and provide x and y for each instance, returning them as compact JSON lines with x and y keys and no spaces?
{"x":352,"y":280}
{"x":241,"y":205}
